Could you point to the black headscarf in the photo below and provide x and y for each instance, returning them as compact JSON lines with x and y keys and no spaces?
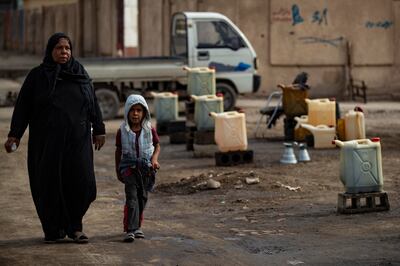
{"x":71,"y":70}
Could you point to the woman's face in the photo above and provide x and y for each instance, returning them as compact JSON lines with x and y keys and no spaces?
{"x":62,"y":51}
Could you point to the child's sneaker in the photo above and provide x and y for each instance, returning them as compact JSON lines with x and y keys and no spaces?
{"x":138,"y":233}
{"x":129,"y":237}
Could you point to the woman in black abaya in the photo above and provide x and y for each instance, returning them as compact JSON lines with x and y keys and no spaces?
{"x":58,"y":103}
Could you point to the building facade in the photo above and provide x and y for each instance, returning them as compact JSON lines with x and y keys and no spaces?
{"x":291,"y":36}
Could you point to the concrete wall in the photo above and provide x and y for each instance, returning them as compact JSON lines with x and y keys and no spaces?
{"x":291,"y":36}
{"x":91,"y":24}
{"x":31,"y":4}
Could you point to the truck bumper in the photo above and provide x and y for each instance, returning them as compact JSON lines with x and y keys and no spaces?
{"x":256,"y":82}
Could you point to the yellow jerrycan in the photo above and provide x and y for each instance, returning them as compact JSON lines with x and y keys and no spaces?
{"x":354,"y":125}
{"x":230,"y":131}
{"x":323,"y":135}
{"x":321,"y":112}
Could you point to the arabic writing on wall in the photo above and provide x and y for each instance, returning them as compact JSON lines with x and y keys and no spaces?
{"x":315,"y":32}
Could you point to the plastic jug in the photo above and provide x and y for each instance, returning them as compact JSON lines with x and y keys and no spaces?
{"x":201,"y":81}
{"x":300,"y":133}
{"x":165,"y":106}
{"x":361,"y":165}
{"x":203,"y":106}
{"x":230,"y":131}
{"x":321,"y":112}
{"x":340,"y":129}
{"x":323,"y":135}
{"x":354,"y":125}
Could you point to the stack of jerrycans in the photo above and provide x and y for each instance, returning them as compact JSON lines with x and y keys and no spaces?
{"x":202,"y":101}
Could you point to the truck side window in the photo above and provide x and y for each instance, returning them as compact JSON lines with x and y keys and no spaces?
{"x":217,"y":34}
{"x":179,"y":37}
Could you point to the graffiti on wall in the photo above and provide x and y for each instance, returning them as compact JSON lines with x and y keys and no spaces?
{"x":334,"y":41}
{"x":318,"y":16}
{"x":305,"y":32}
{"x":296,"y":16}
{"x":283,"y":14}
{"x":385,"y":24}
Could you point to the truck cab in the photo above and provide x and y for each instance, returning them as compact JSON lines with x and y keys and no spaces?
{"x":209,"y":39}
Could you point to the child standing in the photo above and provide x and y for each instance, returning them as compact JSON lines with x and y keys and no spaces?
{"x":136,"y":159}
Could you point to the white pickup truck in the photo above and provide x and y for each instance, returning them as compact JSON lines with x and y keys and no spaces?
{"x":198,"y":39}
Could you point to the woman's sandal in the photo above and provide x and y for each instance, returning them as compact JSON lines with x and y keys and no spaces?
{"x":80,"y":238}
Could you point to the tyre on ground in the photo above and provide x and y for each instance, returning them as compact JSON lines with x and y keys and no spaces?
{"x":229,"y":93}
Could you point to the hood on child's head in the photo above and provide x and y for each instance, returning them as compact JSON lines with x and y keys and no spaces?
{"x":137,"y":99}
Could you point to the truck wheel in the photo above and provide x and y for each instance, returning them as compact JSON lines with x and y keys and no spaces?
{"x":229,"y":95}
{"x":108,"y":102}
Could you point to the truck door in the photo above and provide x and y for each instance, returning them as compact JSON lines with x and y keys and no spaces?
{"x":220,"y":44}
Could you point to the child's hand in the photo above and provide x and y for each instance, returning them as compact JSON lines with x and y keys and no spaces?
{"x":155,"y":164}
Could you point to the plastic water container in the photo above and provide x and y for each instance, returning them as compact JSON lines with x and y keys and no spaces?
{"x":203,"y":106}
{"x":340,"y":130}
{"x":354,"y":125}
{"x":321,"y":112}
{"x":361,"y":165}
{"x":165,"y":106}
{"x":323,"y":135}
{"x":300,"y":133}
{"x":201,"y":81}
{"x":230,"y":131}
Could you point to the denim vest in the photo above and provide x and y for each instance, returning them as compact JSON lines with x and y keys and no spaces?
{"x":128,"y":141}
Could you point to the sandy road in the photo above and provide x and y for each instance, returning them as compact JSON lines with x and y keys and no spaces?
{"x":263,"y":224}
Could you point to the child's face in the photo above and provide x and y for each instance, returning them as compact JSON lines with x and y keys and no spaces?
{"x":136,"y":114}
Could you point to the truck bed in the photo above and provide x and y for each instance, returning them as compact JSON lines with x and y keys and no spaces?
{"x":135,"y":68}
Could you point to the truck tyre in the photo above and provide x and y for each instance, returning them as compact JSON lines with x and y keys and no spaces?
{"x":229,"y":95}
{"x":108,"y":102}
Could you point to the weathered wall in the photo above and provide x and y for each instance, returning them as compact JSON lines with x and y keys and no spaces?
{"x":106,"y":27}
{"x":291,"y":36}
{"x":151,"y":27}
{"x":31,"y":4}
{"x":315,"y":33}
{"x":91,"y":24}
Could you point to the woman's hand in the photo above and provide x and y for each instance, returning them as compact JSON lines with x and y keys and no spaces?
{"x":120,"y":177}
{"x":99,"y":141}
{"x":8,"y":145}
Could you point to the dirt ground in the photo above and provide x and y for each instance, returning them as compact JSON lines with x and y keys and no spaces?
{"x":289,"y":218}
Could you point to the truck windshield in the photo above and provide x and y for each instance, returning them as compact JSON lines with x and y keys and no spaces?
{"x":179,"y":38}
{"x":217,"y":34}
